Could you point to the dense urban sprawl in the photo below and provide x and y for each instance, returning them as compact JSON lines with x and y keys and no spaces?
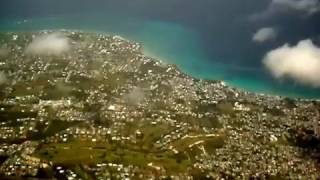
{"x":104,"y":110}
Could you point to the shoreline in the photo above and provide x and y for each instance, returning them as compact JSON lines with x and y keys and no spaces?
{"x":148,"y":53}
{"x":113,"y":99}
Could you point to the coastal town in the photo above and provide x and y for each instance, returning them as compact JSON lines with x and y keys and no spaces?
{"x":104,"y":110}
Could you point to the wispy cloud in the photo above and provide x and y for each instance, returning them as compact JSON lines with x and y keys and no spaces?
{"x":49,"y":44}
{"x":4,"y":51}
{"x":135,"y":96}
{"x":3,"y":78}
{"x":276,"y":7}
{"x":265,"y":34}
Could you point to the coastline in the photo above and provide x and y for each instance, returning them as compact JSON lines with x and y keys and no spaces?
{"x":194,"y":69}
{"x":136,"y":96}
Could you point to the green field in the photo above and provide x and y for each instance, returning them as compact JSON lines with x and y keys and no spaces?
{"x":87,"y":152}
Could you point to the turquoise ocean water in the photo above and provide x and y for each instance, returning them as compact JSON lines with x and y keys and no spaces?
{"x":171,"y":43}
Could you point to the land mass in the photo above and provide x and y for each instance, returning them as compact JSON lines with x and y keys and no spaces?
{"x":104,"y":110}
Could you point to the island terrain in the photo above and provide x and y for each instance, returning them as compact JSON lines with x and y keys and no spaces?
{"x":104,"y":110}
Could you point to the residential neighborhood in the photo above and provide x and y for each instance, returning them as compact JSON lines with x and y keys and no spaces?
{"x":104,"y":110}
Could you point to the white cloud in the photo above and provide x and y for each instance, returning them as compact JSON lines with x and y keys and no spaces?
{"x":300,"y":63}
{"x":306,"y":7}
{"x":49,"y":44}
{"x":265,"y":34}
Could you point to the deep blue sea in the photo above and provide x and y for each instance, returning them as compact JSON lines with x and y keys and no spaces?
{"x":197,"y":52}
